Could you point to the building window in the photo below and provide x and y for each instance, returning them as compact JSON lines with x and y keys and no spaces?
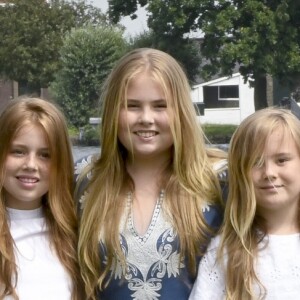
{"x":211,"y":96}
{"x":228,"y":92}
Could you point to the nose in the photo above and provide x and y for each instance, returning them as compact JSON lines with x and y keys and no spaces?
{"x":146,"y":116}
{"x":30,"y":162}
{"x":269,"y":170}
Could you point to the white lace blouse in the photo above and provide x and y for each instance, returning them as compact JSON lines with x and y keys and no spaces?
{"x":278,"y":269}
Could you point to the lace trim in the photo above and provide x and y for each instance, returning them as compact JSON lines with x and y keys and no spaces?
{"x":143,"y":239}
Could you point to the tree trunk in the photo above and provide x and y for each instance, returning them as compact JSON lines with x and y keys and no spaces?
{"x":295,"y":89}
{"x":260,"y":92}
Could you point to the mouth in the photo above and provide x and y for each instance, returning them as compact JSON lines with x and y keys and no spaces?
{"x":27,"y":180}
{"x":146,"y":134}
{"x":270,"y":187}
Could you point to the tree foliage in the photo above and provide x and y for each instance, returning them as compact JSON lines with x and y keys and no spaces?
{"x":261,"y":37}
{"x":184,"y":50}
{"x":87,"y":56}
{"x":32,"y":33}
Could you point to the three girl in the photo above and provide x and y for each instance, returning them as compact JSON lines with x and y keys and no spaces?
{"x":256,"y":256}
{"x":38,"y":244}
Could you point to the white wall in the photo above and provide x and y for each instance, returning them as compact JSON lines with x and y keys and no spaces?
{"x":246,"y":99}
{"x":221,"y":116}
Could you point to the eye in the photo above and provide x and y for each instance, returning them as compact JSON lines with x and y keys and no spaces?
{"x":17,"y":152}
{"x":132,"y":104}
{"x":45,"y":155}
{"x":160,"y":104}
{"x":282,"y":160}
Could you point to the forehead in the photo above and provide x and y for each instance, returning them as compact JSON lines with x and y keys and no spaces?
{"x":144,"y":86}
{"x":28,"y":132}
{"x":280,"y":141}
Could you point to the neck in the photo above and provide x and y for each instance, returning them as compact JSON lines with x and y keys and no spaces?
{"x":147,"y":169}
{"x":147,"y":176}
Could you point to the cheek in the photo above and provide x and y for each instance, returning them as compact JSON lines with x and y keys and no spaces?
{"x":254,"y":175}
{"x":10,"y":164}
{"x":165,"y":120}
{"x":45,"y":168}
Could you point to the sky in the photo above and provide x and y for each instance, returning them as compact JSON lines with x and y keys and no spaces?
{"x":133,"y":27}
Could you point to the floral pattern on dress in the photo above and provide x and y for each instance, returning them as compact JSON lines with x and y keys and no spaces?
{"x":147,"y":285}
{"x":154,"y":270}
{"x":81,"y":165}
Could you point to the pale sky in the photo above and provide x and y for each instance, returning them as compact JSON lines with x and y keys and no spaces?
{"x":133,"y":27}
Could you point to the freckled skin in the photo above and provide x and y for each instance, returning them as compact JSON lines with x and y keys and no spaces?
{"x":27,"y":168}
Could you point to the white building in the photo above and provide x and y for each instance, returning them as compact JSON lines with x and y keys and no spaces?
{"x":226,"y":100}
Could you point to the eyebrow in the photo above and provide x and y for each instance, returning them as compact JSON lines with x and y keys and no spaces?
{"x":283,"y":153}
{"x":154,"y":100}
{"x":25,"y":146}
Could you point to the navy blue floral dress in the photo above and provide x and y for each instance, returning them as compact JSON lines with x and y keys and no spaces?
{"x":154,"y":269}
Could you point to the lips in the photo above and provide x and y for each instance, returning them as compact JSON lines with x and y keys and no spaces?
{"x":146,"y":134}
{"x":26,"y":179}
{"x":269,"y":187}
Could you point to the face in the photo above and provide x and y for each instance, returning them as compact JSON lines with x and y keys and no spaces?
{"x":277,"y":181}
{"x":144,"y":125}
{"x":27,"y":169}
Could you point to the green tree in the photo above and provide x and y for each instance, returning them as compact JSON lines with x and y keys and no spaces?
{"x":86,"y":57}
{"x":32,"y":33}
{"x":261,"y":37}
{"x":184,"y":50}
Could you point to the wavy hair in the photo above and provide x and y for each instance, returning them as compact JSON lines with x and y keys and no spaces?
{"x":189,"y":180}
{"x":58,"y":204}
{"x":243,"y":228}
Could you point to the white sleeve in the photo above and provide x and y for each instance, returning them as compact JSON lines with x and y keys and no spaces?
{"x":210,"y":282}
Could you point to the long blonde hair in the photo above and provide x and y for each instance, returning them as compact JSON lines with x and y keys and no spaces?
{"x":243,"y":227}
{"x":58,"y":204}
{"x":189,"y":183}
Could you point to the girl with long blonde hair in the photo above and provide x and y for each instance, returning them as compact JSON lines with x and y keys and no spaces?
{"x":152,"y":198}
{"x":256,"y":256}
{"x":38,"y":225}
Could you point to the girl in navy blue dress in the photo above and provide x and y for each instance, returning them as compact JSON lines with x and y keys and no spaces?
{"x":151,"y":199}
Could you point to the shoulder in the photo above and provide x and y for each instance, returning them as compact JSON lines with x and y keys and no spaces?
{"x":84,"y":164}
{"x":214,"y":243}
{"x":221,"y":168}
{"x":213,"y":215}
{"x":210,"y":280}
{"x":209,"y":261}
{"x":83,"y":174}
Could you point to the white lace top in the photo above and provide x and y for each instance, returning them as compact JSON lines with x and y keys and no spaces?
{"x":278,"y":269}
